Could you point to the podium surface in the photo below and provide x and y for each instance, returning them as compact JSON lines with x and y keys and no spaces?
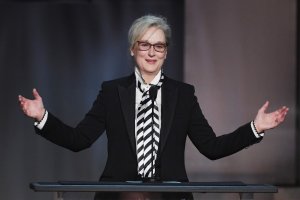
{"x":246,"y":191}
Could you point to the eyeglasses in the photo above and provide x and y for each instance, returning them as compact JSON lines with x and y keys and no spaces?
{"x":145,"y":46}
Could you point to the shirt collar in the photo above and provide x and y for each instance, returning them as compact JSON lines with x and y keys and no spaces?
{"x":139,"y":77}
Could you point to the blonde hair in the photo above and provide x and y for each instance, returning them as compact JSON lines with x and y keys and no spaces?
{"x":141,"y":25}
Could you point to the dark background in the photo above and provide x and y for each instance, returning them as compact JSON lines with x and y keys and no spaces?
{"x":67,"y":48}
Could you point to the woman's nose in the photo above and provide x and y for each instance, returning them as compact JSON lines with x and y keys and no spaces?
{"x":151,"y":51}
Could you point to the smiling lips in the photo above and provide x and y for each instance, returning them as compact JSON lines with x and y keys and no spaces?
{"x":151,"y":61}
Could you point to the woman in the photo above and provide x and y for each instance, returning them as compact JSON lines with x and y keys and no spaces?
{"x":147,"y":117}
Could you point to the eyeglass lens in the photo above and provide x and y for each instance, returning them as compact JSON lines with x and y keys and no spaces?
{"x":144,"y":46}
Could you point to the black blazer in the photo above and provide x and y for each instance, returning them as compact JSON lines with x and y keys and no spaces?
{"x":114,"y":112}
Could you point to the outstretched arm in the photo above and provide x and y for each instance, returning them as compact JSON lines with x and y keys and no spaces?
{"x":265,"y":121}
{"x":33,"y":108}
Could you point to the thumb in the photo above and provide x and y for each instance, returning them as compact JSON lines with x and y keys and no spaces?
{"x":264,"y":107}
{"x":36,"y":94}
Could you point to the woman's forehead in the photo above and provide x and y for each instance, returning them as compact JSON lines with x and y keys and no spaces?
{"x":153,"y":34}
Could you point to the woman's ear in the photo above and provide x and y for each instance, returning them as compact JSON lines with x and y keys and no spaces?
{"x":131,"y":51}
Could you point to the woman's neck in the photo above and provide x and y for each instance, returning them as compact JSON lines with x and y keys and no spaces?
{"x":148,"y":78}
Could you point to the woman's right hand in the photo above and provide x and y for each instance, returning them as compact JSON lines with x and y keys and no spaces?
{"x":33,"y":108}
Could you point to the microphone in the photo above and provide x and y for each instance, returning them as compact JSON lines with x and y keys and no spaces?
{"x":153,"y":92}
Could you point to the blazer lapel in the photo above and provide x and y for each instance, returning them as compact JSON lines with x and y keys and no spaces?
{"x":127,"y":98}
{"x":169,"y":100}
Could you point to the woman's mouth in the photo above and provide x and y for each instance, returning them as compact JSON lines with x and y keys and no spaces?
{"x":151,"y":61}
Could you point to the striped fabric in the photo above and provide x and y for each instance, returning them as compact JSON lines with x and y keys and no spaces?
{"x":147,"y":132}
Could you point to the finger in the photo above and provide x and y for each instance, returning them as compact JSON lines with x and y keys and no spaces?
{"x":279,"y":120}
{"x":22,"y":100}
{"x":20,"y":97}
{"x":22,"y":106}
{"x":283,"y":110}
{"x":24,"y":109}
{"x":26,"y":112}
{"x":286,"y":109}
{"x":281,"y":117}
{"x":36,"y":94}
{"x":264,"y":107}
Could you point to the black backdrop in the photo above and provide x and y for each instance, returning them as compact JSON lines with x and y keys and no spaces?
{"x":65,"y":50}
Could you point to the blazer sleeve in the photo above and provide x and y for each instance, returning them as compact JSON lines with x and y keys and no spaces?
{"x":84,"y":134}
{"x":206,"y":141}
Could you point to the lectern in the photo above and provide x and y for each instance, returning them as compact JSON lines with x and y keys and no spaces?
{"x":246,"y":191}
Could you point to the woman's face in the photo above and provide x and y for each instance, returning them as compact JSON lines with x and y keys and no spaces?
{"x":150,"y":61}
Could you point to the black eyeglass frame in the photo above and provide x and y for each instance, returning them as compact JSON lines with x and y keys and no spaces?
{"x":165,"y":45}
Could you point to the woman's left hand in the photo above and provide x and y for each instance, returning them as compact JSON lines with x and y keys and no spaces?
{"x":264,"y":121}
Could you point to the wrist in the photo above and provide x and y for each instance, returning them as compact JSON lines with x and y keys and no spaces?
{"x":41,"y":115}
{"x":257,"y":127}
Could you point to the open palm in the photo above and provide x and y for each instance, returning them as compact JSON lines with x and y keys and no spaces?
{"x":32,"y":108}
{"x":265,"y":121}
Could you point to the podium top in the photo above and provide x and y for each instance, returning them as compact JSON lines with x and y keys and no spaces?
{"x":138,"y":186}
